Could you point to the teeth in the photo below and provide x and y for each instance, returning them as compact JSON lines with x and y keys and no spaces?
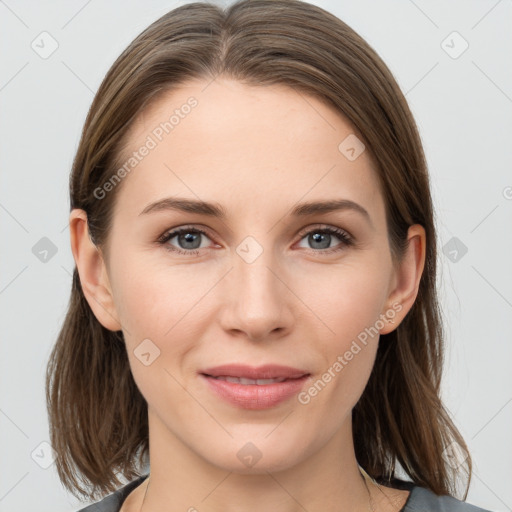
{"x":259,"y":382}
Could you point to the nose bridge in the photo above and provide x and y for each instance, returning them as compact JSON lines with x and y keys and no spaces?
{"x":257,"y":297}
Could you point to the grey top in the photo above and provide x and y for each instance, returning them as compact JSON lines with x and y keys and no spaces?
{"x":420,"y":499}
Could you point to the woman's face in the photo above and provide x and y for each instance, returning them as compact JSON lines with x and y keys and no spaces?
{"x":264,"y":284}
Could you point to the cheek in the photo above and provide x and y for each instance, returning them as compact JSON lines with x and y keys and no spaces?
{"x":345,"y":299}
{"x":164,"y":302}
{"x":152,"y":299}
{"x":347,"y":309}
{"x":335,"y":306}
{"x":163,"y":312}
{"x":154,"y":317}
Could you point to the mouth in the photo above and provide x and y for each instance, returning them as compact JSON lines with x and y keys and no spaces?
{"x":252,"y":374}
{"x":255,"y":382}
{"x":254,"y":388}
{"x":245,"y":381}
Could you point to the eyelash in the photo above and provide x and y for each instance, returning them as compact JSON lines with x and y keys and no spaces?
{"x":345,"y":238}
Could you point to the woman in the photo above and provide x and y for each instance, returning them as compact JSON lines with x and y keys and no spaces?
{"x":253,"y":310}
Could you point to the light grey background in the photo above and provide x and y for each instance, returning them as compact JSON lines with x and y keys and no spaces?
{"x":463,"y":107}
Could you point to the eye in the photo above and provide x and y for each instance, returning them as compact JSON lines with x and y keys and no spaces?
{"x":189,"y":238}
{"x":321,"y":238}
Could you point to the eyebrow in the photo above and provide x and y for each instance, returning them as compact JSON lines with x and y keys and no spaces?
{"x":216,"y":210}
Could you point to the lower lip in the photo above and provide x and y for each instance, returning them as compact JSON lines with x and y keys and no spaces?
{"x":253,"y":396}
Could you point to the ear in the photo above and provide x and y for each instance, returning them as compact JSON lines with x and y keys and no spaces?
{"x":92,"y":270}
{"x":406,"y":279}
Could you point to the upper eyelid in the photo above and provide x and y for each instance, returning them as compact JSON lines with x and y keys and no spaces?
{"x":321,"y":227}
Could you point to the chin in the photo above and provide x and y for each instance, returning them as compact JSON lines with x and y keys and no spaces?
{"x":257,"y":455}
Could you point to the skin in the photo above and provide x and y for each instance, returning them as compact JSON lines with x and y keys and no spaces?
{"x":257,"y":151}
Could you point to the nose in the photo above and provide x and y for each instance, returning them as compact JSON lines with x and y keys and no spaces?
{"x":257,"y":302}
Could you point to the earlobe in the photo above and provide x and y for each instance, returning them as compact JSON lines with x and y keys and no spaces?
{"x":91,"y":268}
{"x":406,"y":279}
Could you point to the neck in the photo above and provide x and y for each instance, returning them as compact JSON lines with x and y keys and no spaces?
{"x":329,"y":479}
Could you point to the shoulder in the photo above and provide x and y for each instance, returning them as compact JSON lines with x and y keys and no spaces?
{"x":422,"y":499}
{"x":113,"y":502}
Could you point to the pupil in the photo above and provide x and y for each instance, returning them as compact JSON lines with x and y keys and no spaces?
{"x":189,"y":238}
{"x":317,"y":237}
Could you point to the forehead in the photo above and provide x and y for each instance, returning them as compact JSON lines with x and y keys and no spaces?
{"x":248,"y":146}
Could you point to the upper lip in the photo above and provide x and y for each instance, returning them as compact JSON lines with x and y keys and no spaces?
{"x":267,"y":371}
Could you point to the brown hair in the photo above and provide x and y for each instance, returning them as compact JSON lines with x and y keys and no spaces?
{"x":97,"y":415}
